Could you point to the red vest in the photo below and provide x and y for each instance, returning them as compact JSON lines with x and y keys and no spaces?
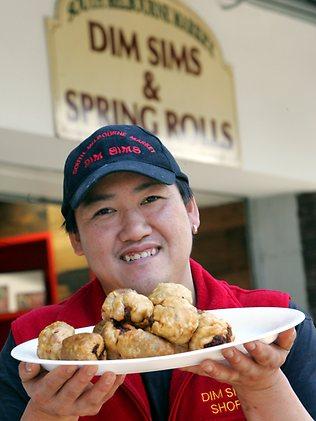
{"x":191,"y":397}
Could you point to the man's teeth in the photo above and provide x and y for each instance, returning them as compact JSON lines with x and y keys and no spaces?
{"x":136,"y":256}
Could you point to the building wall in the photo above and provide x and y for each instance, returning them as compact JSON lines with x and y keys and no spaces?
{"x":272,"y":58}
{"x":274,"y":64}
{"x":275,"y":246}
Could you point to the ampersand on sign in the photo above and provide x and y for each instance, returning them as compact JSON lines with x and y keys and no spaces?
{"x":150,"y":91}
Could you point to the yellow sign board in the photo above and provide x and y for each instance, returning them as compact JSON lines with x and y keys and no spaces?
{"x":148,"y":62}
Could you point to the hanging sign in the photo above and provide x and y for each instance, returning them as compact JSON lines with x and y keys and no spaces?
{"x":148,"y":62}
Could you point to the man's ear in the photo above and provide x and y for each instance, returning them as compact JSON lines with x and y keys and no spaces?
{"x":74,"y":238}
{"x":193,"y":212}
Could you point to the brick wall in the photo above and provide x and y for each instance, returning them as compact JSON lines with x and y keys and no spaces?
{"x":221,"y":243}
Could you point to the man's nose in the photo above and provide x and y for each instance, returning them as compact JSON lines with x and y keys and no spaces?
{"x":134,"y":226}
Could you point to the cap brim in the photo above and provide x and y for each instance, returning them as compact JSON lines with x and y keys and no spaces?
{"x":152,"y":171}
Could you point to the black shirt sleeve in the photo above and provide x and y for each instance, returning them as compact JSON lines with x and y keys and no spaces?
{"x":13,"y":397}
{"x":300,"y":365}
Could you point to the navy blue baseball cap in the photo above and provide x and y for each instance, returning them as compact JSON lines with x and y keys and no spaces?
{"x":111,"y":149}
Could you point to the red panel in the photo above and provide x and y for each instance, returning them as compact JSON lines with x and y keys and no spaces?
{"x":27,"y":252}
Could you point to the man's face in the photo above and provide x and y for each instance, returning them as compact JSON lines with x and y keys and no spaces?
{"x":135,"y":233}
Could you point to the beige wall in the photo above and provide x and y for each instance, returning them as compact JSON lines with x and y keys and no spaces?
{"x":274,"y":65}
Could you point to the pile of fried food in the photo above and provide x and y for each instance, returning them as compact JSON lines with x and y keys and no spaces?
{"x":136,"y":326}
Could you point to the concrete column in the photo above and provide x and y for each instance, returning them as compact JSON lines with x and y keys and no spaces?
{"x":275,"y":246}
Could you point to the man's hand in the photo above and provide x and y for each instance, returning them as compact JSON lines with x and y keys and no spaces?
{"x":258,"y":370}
{"x":66,"y":392}
{"x":263,"y":390}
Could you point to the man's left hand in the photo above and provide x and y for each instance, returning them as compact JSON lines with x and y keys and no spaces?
{"x":257,"y":370}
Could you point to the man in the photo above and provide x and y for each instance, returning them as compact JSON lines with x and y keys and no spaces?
{"x":129,"y":210}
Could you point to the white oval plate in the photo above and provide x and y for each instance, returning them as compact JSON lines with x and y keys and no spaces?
{"x":248,"y":324}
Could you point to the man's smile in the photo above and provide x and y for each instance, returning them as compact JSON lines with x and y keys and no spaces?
{"x":140,"y":255}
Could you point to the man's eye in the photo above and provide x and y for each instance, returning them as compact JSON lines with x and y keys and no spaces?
{"x":104,"y":211}
{"x":150,"y":199}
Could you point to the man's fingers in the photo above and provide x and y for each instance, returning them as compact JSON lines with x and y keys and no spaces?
{"x":47,"y":387}
{"x":216,"y":370}
{"x":92,"y":399}
{"x":219,"y":371}
{"x":271,"y":355}
{"x":28,"y":371}
{"x":286,"y":339}
{"x":76,"y":385}
{"x":105,"y":386}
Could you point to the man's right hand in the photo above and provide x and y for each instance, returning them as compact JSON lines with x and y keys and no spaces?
{"x":66,"y":392}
